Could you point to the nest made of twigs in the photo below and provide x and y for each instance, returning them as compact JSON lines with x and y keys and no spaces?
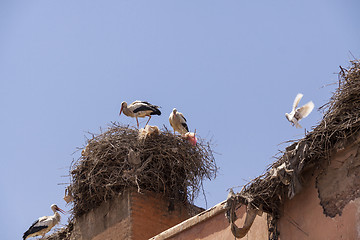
{"x":341,"y":120}
{"x":120,"y":159}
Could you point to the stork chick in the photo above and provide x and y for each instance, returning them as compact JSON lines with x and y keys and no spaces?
{"x":44,"y":224}
{"x":139,"y":109}
{"x":148,"y":131}
{"x":178,"y":122}
{"x":190,"y":136}
{"x":296,"y":113}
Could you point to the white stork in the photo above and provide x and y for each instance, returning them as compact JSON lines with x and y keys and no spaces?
{"x":178,"y":122}
{"x":139,"y":109}
{"x":296,"y":113}
{"x":44,"y":224}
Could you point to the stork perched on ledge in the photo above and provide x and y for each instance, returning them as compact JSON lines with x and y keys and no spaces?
{"x":44,"y":224}
{"x":139,"y":109}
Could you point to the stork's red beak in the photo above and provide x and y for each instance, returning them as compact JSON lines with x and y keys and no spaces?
{"x":60,"y":210}
{"x":121,"y":110}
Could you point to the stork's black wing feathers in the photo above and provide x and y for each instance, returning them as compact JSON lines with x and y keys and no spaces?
{"x":149,"y":107}
{"x":33,"y":229}
{"x":185,"y":126}
{"x":184,"y":118}
{"x":142,"y":108}
{"x":156,"y":112}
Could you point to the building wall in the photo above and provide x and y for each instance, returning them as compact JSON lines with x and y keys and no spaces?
{"x":327,"y":207}
{"x":216,"y":227}
{"x":131,"y":216}
{"x":111,"y":220}
{"x":150,"y":215}
{"x":324,"y":209}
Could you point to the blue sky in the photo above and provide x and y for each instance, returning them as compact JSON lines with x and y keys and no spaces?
{"x":232,"y":68}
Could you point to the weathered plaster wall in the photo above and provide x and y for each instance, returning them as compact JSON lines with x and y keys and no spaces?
{"x":111,"y":218}
{"x":339,"y":183}
{"x":119,"y":231}
{"x":305,"y":216}
{"x":218,"y":228}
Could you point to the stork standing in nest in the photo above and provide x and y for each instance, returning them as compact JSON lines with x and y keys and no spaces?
{"x":44,"y":224}
{"x":178,"y":122}
{"x":296,"y":113}
{"x":139,"y":109}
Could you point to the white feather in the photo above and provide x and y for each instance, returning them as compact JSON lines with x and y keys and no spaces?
{"x":305,"y":110}
{"x":297,"y":100}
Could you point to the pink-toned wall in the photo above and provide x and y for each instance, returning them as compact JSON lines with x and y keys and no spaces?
{"x":304,"y":218}
{"x":218,"y":228}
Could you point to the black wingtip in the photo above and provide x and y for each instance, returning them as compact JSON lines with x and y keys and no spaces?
{"x":156,"y":112}
{"x":185,"y":126}
{"x":32,"y":230}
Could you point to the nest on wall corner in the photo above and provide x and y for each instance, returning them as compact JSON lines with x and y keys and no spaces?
{"x":123,"y":158}
{"x":339,"y":127}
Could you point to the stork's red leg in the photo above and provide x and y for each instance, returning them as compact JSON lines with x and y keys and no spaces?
{"x":148,"y":121}
{"x":137,"y":122}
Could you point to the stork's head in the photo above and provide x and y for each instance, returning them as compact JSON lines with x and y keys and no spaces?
{"x":123,"y":105}
{"x":174,"y":110}
{"x":55,"y":208}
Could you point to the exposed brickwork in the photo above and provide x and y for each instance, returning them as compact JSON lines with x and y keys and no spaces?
{"x":150,"y":215}
{"x":131,"y":216}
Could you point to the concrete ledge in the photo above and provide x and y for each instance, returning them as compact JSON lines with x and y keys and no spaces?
{"x":217,"y":209}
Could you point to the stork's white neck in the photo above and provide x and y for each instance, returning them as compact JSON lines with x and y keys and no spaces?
{"x":127,"y":112}
{"x":57,"y":216}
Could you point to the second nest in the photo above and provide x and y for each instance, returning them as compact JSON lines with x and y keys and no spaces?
{"x":122,"y":158}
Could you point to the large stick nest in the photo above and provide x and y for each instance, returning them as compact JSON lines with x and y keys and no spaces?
{"x":340,"y":126}
{"x":119,"y":159}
